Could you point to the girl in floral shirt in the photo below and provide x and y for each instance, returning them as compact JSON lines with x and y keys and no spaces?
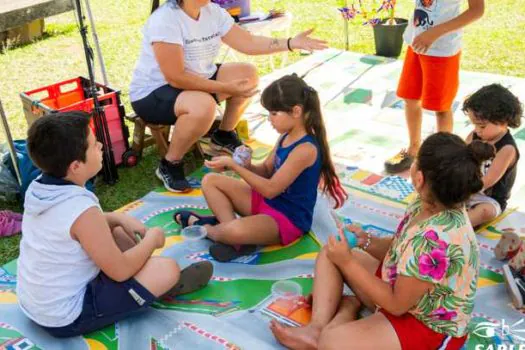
{"x":422,"y":281}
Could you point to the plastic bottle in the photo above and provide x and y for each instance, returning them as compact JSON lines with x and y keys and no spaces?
{"x":351,"y":238}
{"x":242,"y":155}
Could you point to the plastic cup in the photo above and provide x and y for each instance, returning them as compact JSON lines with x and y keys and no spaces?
{"x":242,"y":155}
{"x":287,"y":289}
{"x":351,"y":238}
{"x":193,"y":234}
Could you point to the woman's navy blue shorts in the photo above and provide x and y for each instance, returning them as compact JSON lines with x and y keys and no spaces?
{"x":158,"y":106}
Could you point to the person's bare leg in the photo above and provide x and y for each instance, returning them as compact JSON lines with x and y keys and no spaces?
{"x":370,"y":264}
{"x":414,"y":118}
{"x":347,"y":312}
{"x":123,"y":240}
{"x":372,"y":332}
{"x":327,"y":292}
{"x":235,"y":106}
{"x":481,"y":214}
{"x":445,"y":121}
{"x":253,"y":229}
{"x":159,"y":275}
{"x":226,"y":196}
{"x":195,"y":111}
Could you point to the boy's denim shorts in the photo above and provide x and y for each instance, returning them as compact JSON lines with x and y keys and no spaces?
{"x":105,"y":302}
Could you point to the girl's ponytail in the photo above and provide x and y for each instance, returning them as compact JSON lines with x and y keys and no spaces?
{"x":314,"y":124}
{"x":289,"y":91}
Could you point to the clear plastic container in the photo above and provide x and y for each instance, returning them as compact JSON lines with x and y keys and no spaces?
{"x":287,"y":289}
{"x":193,"y":234}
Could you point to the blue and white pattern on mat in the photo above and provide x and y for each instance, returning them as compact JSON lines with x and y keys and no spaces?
{"x":394,"y":187}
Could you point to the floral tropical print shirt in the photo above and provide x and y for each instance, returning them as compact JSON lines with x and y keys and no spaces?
{"x":442,"y":250}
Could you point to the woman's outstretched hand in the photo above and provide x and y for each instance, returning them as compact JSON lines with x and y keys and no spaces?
{"x":303,"y":41}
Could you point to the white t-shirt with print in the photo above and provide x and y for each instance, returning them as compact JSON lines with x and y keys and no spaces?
{"x":430,"y":13}
{"x":200,"y":40}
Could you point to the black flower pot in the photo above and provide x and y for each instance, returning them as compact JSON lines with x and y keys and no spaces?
{"x":389,"y":37}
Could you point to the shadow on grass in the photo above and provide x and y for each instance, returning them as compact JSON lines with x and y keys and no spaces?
{"x":52,"y":30}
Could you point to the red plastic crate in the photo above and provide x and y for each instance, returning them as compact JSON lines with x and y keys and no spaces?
{"x":74,"y":95}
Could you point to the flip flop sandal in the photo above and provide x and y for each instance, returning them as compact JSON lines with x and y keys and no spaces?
{"x":224,"y":252}
{"x":192,"y":278}
{"x":10,"y":223}
{"x":184,"y":216}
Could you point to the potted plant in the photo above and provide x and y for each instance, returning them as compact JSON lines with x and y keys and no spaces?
{"x":388,"y":29}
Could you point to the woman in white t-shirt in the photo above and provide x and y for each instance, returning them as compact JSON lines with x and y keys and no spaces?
{"x":176,"y":78}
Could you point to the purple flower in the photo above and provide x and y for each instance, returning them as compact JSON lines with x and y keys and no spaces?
{"x":434,"y":264}
{"x":221,"y":2}
{"x":442,"y":245}
{"x":392,"y":274}
{"x":348,"y":13}
{"x":433,"y":236}
{"x":443,"y":314}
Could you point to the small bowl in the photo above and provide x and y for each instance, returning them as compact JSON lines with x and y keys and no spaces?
{"x":287,"y":289}
{"x":194,"y":233}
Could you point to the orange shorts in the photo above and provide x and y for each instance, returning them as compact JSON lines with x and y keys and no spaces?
{"x":433,"y":80}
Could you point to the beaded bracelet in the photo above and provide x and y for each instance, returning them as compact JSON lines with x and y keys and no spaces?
{"x":368,"y":242}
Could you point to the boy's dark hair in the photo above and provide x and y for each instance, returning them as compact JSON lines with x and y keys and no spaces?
{"x":283,"y":95}
{"x":55,"y":141}
{"x":452,"y":168}
{"x":495,"y":104}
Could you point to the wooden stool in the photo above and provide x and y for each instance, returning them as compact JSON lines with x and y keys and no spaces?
{"x":159,"y":135}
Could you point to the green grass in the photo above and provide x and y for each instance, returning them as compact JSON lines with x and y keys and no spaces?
{"x":494,"y":44}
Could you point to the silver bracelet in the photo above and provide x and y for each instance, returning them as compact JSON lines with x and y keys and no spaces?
{"x":368,"y":242}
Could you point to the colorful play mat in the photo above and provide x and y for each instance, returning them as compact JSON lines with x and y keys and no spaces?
{"x":365,"y":123}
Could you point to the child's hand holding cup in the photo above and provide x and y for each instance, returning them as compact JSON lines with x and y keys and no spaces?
{"x":242,"y":156}
{"x":362,"y":239}
{"x":351,"y":238}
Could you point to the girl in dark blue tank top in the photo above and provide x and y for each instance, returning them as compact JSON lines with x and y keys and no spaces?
{"x":276,"y":200}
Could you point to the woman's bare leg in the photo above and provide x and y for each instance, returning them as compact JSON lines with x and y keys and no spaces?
{"x":235,"y":106}
{"x":327,"y":292}
{"x":195,"y":111}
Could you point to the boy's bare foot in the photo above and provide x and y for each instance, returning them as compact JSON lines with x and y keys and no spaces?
{"x":304,"y":338}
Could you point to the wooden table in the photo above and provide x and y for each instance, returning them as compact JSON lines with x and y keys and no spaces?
{"x":17,"y":13}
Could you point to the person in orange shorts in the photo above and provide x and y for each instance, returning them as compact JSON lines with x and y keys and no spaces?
{"x":430,"y":76}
